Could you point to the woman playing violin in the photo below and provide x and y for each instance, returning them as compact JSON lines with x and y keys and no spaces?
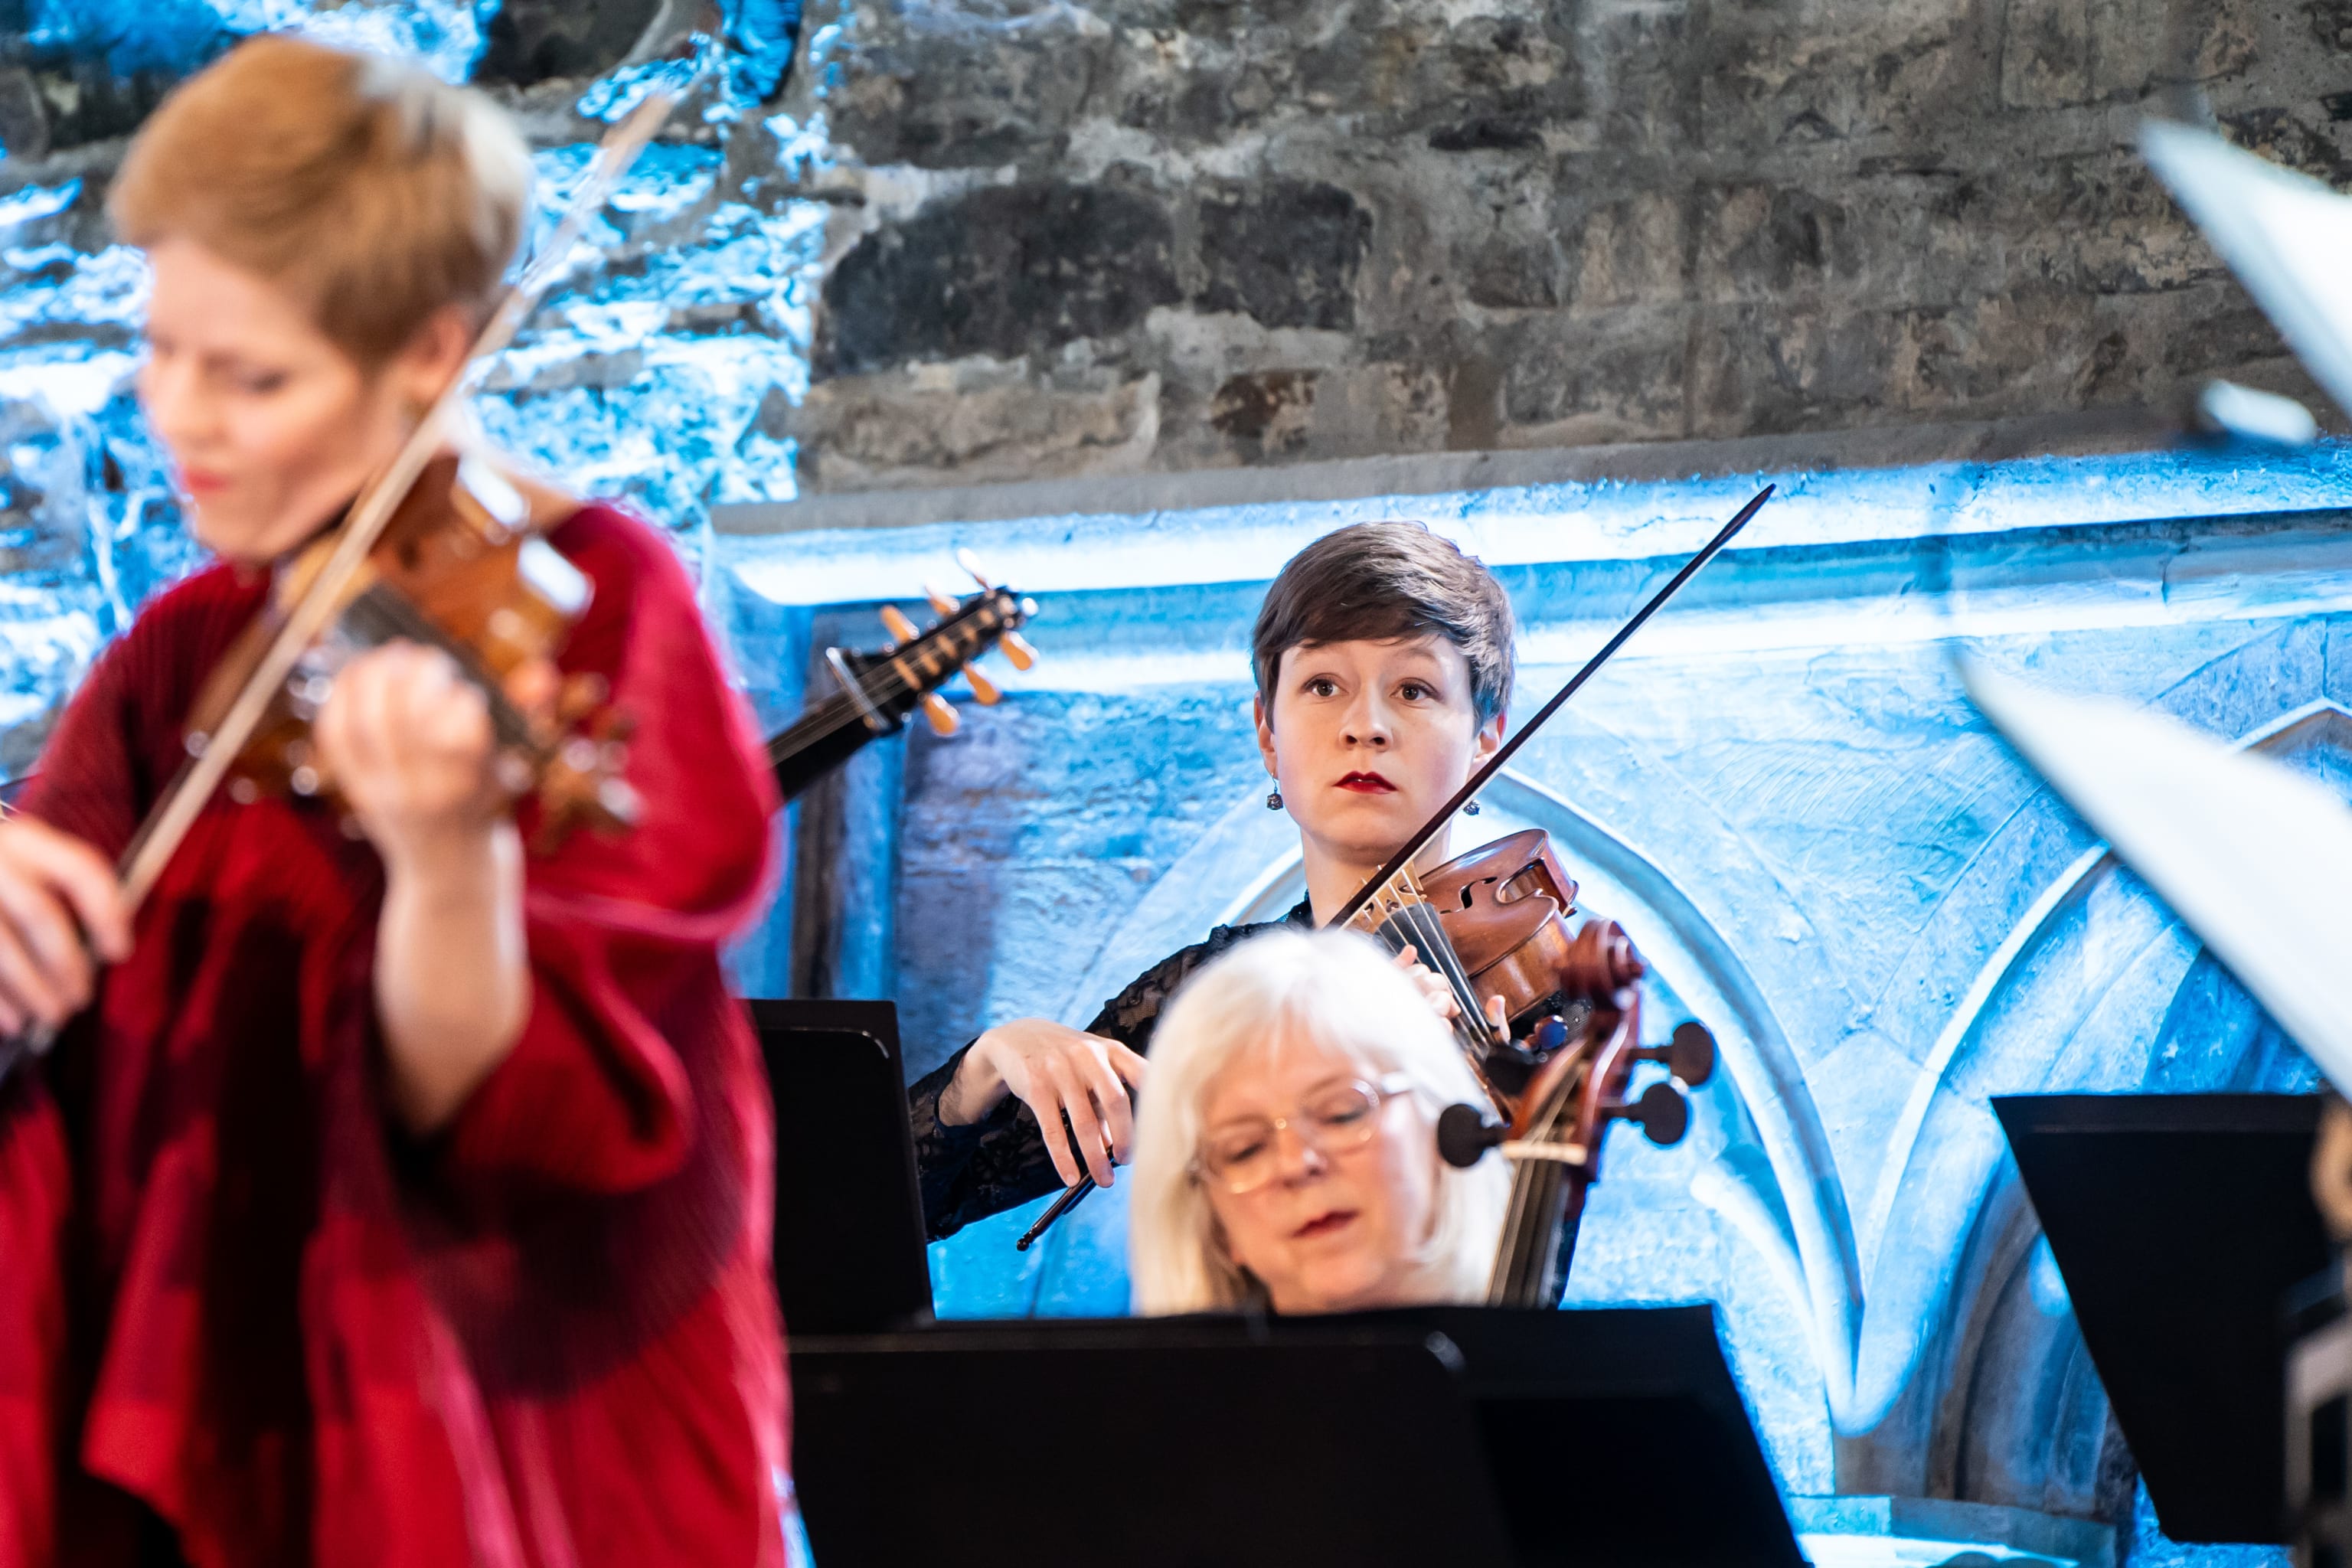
{"x":1383,"y":661}
{"x":1287,"y":1156}
{"x":395,"y":1191}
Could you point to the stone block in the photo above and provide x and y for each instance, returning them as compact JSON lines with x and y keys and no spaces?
{"x":1016,"y":269}
{"x":1268,"y":413}
{"x":1826,"y":71}
{"x":2045,"y":53}
{"x":1762,"y":368}
{"x":528,"y":41}
{"x":1608,"y":376}
{"x":975,"y":419}
{"x":1631,"y":250}
{"x":954,"y":88}
{"x":1284,"y":252}
{"x":2331,"y":23}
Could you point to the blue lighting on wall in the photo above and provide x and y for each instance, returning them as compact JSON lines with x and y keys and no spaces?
{"x":1778,"y":790}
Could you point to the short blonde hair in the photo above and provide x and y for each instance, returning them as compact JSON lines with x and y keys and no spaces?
{"x":1336,"y":989}
{"x":369,"y":188}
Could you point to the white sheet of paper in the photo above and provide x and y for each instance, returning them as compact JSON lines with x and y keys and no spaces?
{"x":2288,"y":237}
{"x":2253,"y":857}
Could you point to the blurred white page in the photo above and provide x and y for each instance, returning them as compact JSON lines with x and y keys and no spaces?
{"x":2288,"y":238}
{"x":2255,"y":858}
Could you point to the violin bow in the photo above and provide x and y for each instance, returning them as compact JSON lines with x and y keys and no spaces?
{"x":1427,"y":833}
{"x":151,"y":849}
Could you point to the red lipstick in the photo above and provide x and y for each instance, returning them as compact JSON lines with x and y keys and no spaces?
{"x":1367,"y":783}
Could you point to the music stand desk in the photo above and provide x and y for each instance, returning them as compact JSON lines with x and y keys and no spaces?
{"x":1465,"y":1437}
{"x":2182,"y":1224}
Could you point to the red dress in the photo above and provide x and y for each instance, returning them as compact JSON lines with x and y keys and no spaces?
{"x":231,"y":1289}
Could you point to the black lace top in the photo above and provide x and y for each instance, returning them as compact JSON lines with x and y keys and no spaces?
{"x":999,"y":1161}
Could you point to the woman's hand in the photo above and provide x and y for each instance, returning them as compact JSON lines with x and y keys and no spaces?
{"x":1439,"y":995}
{"x":1055,"y":1072}
{"x":55,"y":890}
{"x":407,"y":741}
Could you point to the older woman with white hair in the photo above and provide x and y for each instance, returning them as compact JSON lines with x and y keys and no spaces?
{"x":1286,"y":1153}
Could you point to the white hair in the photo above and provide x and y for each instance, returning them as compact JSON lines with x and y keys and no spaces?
{"x":1340,"y":991}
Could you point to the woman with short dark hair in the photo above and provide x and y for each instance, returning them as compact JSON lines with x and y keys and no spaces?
{"x":1383,"y":662}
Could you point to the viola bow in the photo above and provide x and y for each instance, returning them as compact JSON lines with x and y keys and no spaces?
{"x":1385,"y":879}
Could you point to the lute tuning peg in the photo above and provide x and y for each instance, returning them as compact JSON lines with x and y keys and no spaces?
{"x":1017,"y":650}
{"x":943,"y":604}
{"x":942,"y":718}
{"x":983,"y":690}
{"x":895,"y":620}
{"x":970,"y":563}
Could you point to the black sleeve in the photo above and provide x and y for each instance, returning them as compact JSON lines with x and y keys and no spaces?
{"x":1000,"y":1162}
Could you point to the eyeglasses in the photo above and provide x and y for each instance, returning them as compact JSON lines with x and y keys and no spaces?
{"x":1242,"y":1157}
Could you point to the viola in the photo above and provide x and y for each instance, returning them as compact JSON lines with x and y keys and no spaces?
{"x":1555,"y":1133}
{"x":439,"y":549}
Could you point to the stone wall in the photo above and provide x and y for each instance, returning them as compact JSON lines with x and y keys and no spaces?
{"x":644,"y":375}
{"x":1172,"y":234}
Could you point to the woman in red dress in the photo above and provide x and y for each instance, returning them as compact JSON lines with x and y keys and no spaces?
{"x":396,"y":1198}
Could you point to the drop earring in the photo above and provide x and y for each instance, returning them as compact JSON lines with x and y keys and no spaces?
{"x":1470,"y":809}
{"x":1274,"y":798}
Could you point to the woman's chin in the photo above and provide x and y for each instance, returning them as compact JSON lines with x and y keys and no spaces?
{"x":238,"y":537}
{"x":1365,"y":835}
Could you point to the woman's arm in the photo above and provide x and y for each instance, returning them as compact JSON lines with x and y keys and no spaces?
{"x":408,"y":743}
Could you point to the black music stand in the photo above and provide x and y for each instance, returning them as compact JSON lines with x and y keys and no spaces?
{"x":2183,"y":1224}
{"x":1465,"y":1437}
{"x":849,"y":1241}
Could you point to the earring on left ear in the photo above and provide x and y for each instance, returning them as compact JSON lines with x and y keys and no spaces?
{"x":1471,"y":809}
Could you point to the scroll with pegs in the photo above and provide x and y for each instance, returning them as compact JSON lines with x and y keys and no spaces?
{"x":874,"y":693}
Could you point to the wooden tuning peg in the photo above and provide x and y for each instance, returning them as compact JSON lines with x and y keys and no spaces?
{"x":970,"y":563}
{"x":983,"y":690}
{"x":895,"y":620}
{"x":942,"y":718}
{"x":942,"y":603}
{"x":1018,"y":650}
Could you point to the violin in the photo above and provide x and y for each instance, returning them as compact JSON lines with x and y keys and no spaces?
{"x":436,"y":549}
{"x":1492,"y":923}
{"x":460,"y":568}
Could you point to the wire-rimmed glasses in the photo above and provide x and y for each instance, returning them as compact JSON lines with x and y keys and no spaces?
{"x":1242,"y":1157}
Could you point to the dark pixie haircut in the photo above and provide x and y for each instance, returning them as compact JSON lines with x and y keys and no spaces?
{"x":1377,"y":582}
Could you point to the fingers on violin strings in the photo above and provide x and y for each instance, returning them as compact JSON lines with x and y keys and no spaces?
{"x":1498,"y":1017}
